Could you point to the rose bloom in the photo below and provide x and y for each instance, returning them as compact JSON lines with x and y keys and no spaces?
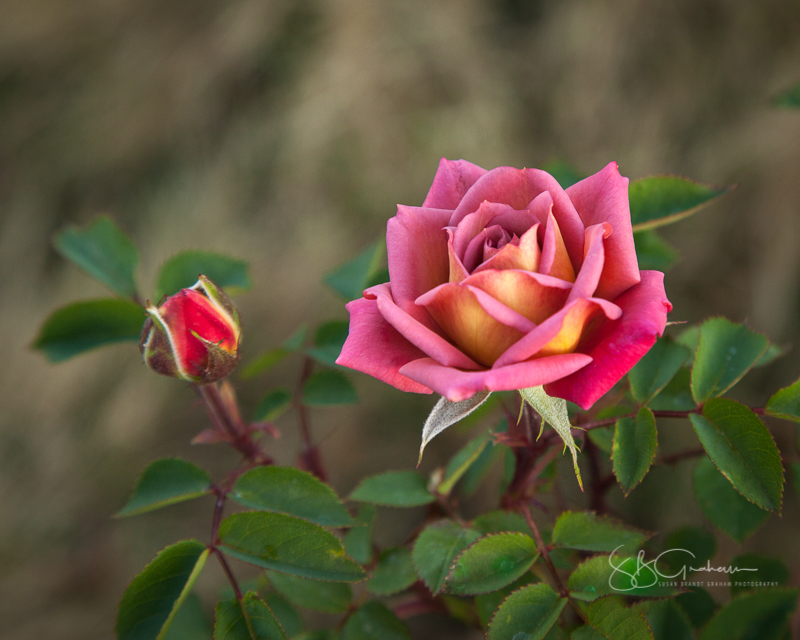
{"x":503,"y":280}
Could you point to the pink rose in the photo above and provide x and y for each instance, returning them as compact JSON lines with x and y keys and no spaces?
{"x":503,"y":280}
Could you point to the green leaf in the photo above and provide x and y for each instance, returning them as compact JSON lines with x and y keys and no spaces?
{"x":677,"y":395}
{"x":500,"y":521}
{"x":653,"y":252}
{"x":445,"y":414}
{"x":610,"y":619}
{"x":393,"y":489}
{"x":327,"y":597}
{"x":753,"y":615}
{"x":492,"y":563}
{"x":328,"y":341}
{"x":723,"y":505}
{"x":616,"y":575}
{"x":772,"y":353}
{"x":358,"y":540}
{"x":288,"y":618}
{"x":587,"y":531}
{"x":634,"y":448}
{"x":350,"y":279}
{"x":166,"y":482}
{"x":393,"y":573}
{"x":478,"y":470}
{"x":103,"y":251}
{"x":788,"y":99}
{"x":293,"y":492}
{"x":487,"y":604}
{"x":603,"y":438}
{"x":565,"y":173}
{"x":725,"y":352}
{"x":153,"y":598}
{"x":655,"y":370}
{"x":328,"y":387}
{"x":82,"y":326}
{"x":689,"y":339}
{"x":436,"y":548}
{"x":287,"y":545}
{"x":274,"y":356}
{"x":527,"y":614}
{"x":273,"y":405}
{"x":666,"y":619}
{"x":190,"y":622}
{"x":250,"y":620}
{"x":697,"y":604}
{"x":461,"y":462}
{"x":700,"y":543}
{"x":182,"y":270}
{"x":767,"y":570}
{"x":661,"y":200}
{"x":742,"y":448}
{"x":374,"y":621}
{"x":785,"y":403}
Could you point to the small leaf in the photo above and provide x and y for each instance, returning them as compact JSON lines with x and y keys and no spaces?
{"x":287,"y":545}
{"x":103,"y":251}
{"x":350,"y":279}
{"x":182,"y":270}
{"x":700,"y":543}
{"x":616,"y":574}
{"x":785,"y":403}
{"x":666,"y":619}
{"x":723,"y":505}
{"x":462,"y":461}
{"x":274,"y":356}
{"x":393,"y":489}
{"x":358,"y":540}
{"x":788,"y":99}
{"x":487,"y":604}
{"x":374,"y":621}
{"x":492,"y":563}
{"x":742,"y":448}
{"x":288,"y":618}
{"x":393,"y":573}
{"x":554,"y":412}
{"x":272,"y":405}
{"x":754,"y":616}
{"x":772,"y":353}
{"x":479,"y":469}
{"x":725,"y":352}
{"x":661,"y":200}
{"x":634,"y":448}
{"x":500,"y":521}
{"x":697,"y":604}
{"x":527,"y":613}
{"x":653,"y":252}
{"x":610,"y":619}
{"x":656,"y":369}
{"x":82,"y":326}
{"x":751,"y":567}
{"x":328,"y":342}
{"x":166,"y":482}
{"x":677,"y":395}
{"x":153,"y":598}
{"x":445,"y":414}
{"x":326,"y":597}
{"x":190,"y":622}
{"x":436,"y":548}
{"x":293,"y":492}
{"x":587,"y":531}
{"x":250,"y":620}
{"x":327,"y":388}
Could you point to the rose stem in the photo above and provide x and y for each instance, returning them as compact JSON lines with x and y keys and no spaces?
{"x":310,"y":456}
{"x":599,"y":486}
{"x":215,"y":522}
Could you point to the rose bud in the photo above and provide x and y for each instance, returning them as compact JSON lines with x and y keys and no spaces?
{"x":193,"y":335}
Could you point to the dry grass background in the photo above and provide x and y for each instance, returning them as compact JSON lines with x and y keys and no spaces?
{"x":284,"y":132}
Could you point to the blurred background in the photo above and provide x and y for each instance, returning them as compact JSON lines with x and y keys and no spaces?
{"x":284,"y":133}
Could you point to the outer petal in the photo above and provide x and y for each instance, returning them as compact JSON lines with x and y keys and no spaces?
{"x":603,"y":197}
{"x":416,"y":243}
{"x":374,"y":347}
{"x":452,"y":180}
{"x":555,"y":261}
{"x":621,"y":344}
{"x":458,"y":385}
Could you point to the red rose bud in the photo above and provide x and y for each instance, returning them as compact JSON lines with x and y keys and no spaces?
{"x":193,"y":335}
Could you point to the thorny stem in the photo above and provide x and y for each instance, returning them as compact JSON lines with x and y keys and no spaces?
{"x":310,"y":456}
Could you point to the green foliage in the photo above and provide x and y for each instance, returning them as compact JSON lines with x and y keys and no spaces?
{"x":81,"y":326}
{"x":153,"y":598}
{"x":249,"y":620}
{"x":742,"y":448}
{"x":565,"y":173}
{"x":358,"y":540}
{"x":488,"y":603}
{"x":653,"y":252}
{"x":500,"y":521}
{"x":725,"y":352}
{"x":287,"y":545}
{"x":666,"y":619}
{"x":393,"y":489}
{"x":272,"y":405}
{"x":615,"y":575}
{"x":374,"y":621}
{"x":677,"y":395}
{"x":697,"y":604}
{"x":529,"y":612}
{"x":436,"y":549}
{"x":190,"y":622}
{"x":763,"y":615}
{"x":287,"y":616}
{"x":785,"y":403}
{"x":393,"y":573}
{"x":788,"y":99}
{"x":461,"y":462}
{"x":634,"y":448}
{"x":181,"y":272}
{"x":769,"y":570}
{"x":661,"y":200}
{"x":366,"y":269}
{"x":586,"y":531}
{"x":328,"y":387}
{"x":328,"y":342}
{"x":493,"y":562}
{"x":609,"y":619}
{"x":655,"y":370}
{"x":723,"y":505}
{"x":698,"y":541}
{"x":272,"y":357}
{"x":326,"y":597}
{"x":166,"y":482}
{"x":103,"y":251}
{"x":479,"y":469}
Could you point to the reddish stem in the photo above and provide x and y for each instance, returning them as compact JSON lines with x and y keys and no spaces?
{"x":309,"y":457}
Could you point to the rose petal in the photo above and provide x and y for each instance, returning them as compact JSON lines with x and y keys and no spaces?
{"x":457,"y":270}
{"x":431,"y":343}
{"x":621,"y":344}
{"x":555,"y":260}
{"x":458,"y":385}
{"x":589,"y":275}
{"x":603,"y":197}
{"x":501,"y":312}
{"x":452,"y":180}
{"x":535,"y":296}
{"x":524,"y":256}
{"x":489,"y":213}
{"x":374,"y":347}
